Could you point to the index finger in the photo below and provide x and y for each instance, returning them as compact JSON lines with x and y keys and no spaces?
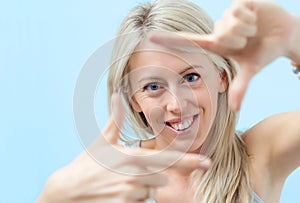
{"x":160,"y":160}
{"x":183,"y":40}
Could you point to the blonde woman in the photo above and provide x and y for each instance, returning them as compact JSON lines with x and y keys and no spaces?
{"x":180,"y":95}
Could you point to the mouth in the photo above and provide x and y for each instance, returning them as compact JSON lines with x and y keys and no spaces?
{"x":181,"y":124}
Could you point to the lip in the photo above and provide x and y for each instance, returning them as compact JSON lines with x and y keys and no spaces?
{"x":186,"y":131}
{"x":177,"y":120}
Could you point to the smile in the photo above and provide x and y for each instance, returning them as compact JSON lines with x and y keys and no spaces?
{"x":181,"y":124}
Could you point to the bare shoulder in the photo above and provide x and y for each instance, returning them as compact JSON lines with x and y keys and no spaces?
{"x":273,"y":147}
{"x":256,"y":143}
{"x":276,"y":140}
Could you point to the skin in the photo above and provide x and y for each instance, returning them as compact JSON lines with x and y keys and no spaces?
{"x":170,"y":84}
{"x":246,"y":34}
{"x":179,"y":91}
{"x":249,"y":34}
{"x":85,"y":180}
{"x":167,"y":88}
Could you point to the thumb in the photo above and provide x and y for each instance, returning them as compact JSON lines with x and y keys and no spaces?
{"x":114,"y":125}
{"x":238,"y":88}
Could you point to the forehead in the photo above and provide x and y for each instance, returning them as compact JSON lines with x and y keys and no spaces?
{"x":148,"y":54}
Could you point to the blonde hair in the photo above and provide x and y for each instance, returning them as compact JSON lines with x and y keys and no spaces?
{"x":228,"y":179}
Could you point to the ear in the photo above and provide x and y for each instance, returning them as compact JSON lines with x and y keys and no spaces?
{"x":223,"y":82}
{"x":135,"y":105}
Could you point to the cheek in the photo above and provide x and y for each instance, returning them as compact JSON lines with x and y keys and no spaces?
{"x":152,"y":110}
{"x":211,"y":96}
{"x":206,"y":99}
{"x":207,"y":104}
{"x":214,"y":103}
{"x":154,"y":115}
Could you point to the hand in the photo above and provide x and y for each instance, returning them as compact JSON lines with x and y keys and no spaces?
{"x":252,"y":32}
{"x":102,"y":172}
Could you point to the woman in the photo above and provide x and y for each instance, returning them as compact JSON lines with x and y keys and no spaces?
{"x":181,"y":97}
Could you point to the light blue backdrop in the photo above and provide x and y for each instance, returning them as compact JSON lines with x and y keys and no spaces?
{"x":43,"y":46}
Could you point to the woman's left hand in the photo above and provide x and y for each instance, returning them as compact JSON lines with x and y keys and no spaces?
{"x":253,"y":33}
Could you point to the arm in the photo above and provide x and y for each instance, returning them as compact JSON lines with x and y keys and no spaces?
{"x":254,"y":33}
{"x":106,"y":172}
{"x":277,"y":138}
{"x":275,"y":142}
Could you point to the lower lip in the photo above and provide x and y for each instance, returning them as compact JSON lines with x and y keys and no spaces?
{"x":186,"y":131}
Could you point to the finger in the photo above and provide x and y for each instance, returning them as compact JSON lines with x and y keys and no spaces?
{"x":222,"y":44}
{"x":244,"y":11}
{"x":238,"y":88}
{"x":179,"y":40}
{"x":139,"y":193}
{"x":114,"y":125}
{"x":192,"y":162}
{"x":155,"y":160}
{"x":243,"y":29}
{"x":153,"y":180}
{"x":241,"y":20}
{"x":228,"y":43}
{"x":136,"y":192}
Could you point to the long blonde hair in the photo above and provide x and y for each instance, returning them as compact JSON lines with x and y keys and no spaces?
{"x":228,"y":179}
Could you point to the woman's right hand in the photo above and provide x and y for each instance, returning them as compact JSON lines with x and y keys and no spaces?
{"x":252,"y":32}
{"x":104,"y":172}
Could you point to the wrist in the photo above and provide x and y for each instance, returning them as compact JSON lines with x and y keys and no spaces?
{"x":294,"y":41}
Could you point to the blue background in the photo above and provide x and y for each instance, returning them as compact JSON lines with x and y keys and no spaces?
{"x":43,"y":46}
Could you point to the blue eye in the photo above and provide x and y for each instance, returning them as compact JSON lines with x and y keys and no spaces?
{"x":152,"y":86}
{"x":191,"y":77}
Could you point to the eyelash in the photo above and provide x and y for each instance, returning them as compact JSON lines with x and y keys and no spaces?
{"x":160,"y":86}
{"x":192,"y":74}
{"x":147,"y":87}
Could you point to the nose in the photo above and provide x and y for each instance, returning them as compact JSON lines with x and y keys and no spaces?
{"x":175,"y":104}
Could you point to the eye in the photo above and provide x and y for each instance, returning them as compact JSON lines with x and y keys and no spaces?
{"x":152,"y":87}
{"x":192,"y":77}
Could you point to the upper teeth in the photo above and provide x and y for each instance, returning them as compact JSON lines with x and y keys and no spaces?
{"x":182,"y":125}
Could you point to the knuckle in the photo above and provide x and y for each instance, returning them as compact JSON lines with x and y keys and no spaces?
{"x":162,"y":180}
{"x":253,"y":31}
{"x":236,"y":11}
{"x":221,"y":39}
{"x":126,"y":191}
{"x":238,"y":44}
{"x":243,"y":43}
{"x":133,"y":180}
{"x":235,"y":28}
{"x":130,"y":189}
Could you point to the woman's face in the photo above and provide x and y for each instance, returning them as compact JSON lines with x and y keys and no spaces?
{"x":177,"y":92}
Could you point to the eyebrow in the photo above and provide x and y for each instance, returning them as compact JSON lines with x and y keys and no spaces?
{"x":189,"y":68}
{"x":180,"y":73}
{"x":151,"y":78}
